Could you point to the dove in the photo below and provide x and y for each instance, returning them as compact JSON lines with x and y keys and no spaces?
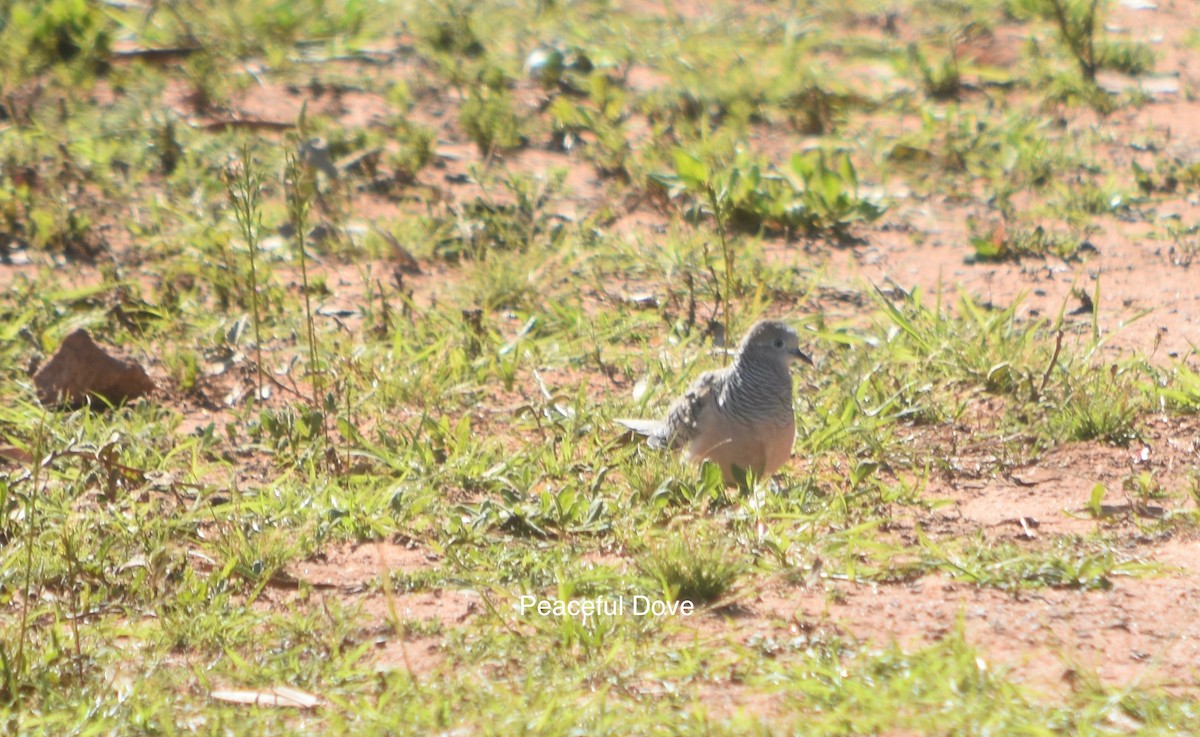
{"x":739,"y":417}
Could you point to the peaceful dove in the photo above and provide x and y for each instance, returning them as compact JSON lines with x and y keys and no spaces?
{"x":739,"y":417}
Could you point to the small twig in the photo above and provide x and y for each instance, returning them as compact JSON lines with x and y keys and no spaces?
{"x":1058,"y":339}
{"x":719,"y":213}
{"x":269,"y":376}
{"x":377,"y":58}
{"x":254,"y":123}
{"x":157,"y":55}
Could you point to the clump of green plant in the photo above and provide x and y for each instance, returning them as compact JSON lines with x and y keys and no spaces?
{"x":1102,"y":406}
{"x":206,"y":80}
{"x":66,"y":229}
{"x":1185,"y":244}
{"x":184,"y":368}
{"x":1078,"y":203}
{"x":1126,"y":57}
{"x":57,"y":32}
{"x":243,"y":29}
{"x":490,"y":120}
{"x":990,"y":348}
{"x":730,"y":97}
{"x":817,"y":192}
{"x":447,"y":28}
{"x":940,"y":77}
{"x":692,"y":568}
{"x":1003,"y":244}
{"x":1168,"y":175}
{"x":602,"y":116}
{"x":500,"y":280}
{"x":415,"y":151}
{"x":1080,"y":24}
{"x":609,"y":149}
{"x":812,"y":110}
{"x":483,"y":226}
{"x":1143,"y":488}
{"x":1180,"y":390}
{"x":1009,"y":567}
{"x":813,"y":101}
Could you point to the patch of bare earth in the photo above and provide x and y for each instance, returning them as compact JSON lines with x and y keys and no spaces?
{"x":407,"y":628}
{"x":1051,"y":495}
{"x":1139,"y":631}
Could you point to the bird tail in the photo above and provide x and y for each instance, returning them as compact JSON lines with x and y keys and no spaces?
{"x":641,"y":427}
{"x":651,"y":429}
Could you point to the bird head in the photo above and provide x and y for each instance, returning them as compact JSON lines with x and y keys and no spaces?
{"x":776,"y":339}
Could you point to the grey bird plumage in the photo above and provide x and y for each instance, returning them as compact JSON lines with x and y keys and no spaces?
{"x":739,"y":417}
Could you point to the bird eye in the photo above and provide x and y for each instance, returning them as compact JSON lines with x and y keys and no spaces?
{"x":779,"y":342}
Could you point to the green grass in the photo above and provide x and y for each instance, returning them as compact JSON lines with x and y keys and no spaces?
{"x":696,"y":570}
{"x":578,"y":240}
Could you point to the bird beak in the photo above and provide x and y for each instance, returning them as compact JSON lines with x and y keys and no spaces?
{"x":802,"y":356}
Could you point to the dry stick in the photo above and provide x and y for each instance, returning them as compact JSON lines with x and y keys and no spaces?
{"x":131,"y":472}
{"x":282,"y":386}
{"x":1053,"y":360}
{"x":711,"y":272}
{"x":252,"y":123}
{"x":173,"y":53}
{"x":728,"y":256}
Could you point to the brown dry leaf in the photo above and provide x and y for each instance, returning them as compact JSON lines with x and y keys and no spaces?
{"x":404,"y":260}
{"x":14,"y":454}
{"x":275,"y":696}
{"x":82,"y":369}
{"x":1034,"y":476}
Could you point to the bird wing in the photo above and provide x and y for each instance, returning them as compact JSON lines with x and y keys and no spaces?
{"x":682,"y":424}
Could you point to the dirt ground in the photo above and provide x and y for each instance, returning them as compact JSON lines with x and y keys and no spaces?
{"x":1142,"y":630}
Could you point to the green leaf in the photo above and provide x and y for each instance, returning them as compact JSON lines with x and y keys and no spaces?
{"x":862,"y":471}
{"x":1000,"y":376}
{"x":846,"y":169}
{"x":691,"y":170}
{"x":831,"y":187}
{"x":1095,"y":502}
{"x":802,"y":166}
{"x":986,"y":247}
{"x":711,"y":476}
